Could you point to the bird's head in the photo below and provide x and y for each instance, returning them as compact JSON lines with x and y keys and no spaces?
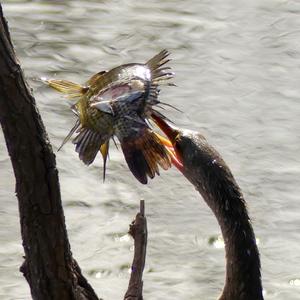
{"x":179,"y":142}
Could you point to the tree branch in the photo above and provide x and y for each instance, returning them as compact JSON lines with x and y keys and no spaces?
{"x":49,"y":268}
{"x":138,"y":230}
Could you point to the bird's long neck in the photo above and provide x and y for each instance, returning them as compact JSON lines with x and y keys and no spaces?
{"x":213,"y":179}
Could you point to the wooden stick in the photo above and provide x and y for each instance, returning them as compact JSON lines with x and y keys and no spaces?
{"x":138,"y":230}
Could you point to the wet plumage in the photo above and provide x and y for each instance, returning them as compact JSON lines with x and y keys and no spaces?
{"x":119,"y":102}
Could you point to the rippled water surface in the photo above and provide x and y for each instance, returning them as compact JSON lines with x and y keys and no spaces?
{"x":237,"y":67}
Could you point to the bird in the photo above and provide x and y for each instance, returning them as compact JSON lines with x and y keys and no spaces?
{"x":204,"y":167}
{"x":118,"y":103}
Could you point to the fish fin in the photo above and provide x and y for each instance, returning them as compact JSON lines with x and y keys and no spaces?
{"x":71,"y":89}
{"x":74,"y":109}
{"x":104,"y":148}
{"x":144,"y":155}
{"x":158,"y":60}
{"x":153,"y":95}
{"x":103,"y":106}
{"x":88,"y":143}
{"x":170,"y":105}
{"x":159,"y":73}
{"x":158,"y":114}
{"x":95,"y":78}
{"x":116,"y":145}
{"x":75,"y":127}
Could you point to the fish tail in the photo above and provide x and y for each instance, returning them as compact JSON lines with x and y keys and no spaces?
{"x":159,"y":72}
{"x":144,"y":155}
{"x":71,"y":89}
{"x":88,"y":143}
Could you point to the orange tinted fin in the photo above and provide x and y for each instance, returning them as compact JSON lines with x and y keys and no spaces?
{"x":145,"y":154}
{"x":104,"y":149}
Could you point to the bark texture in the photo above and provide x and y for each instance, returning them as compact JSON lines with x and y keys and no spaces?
{"x":49,"y":268}
{"x":138,"y":230}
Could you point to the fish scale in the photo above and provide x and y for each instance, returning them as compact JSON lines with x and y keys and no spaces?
{"x":127,"y":119}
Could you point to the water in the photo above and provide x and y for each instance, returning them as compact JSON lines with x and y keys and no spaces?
{"x":237,"y":67}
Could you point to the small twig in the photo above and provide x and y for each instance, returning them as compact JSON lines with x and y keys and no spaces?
{"x":142,"y":208}
{"x":138,"y":230}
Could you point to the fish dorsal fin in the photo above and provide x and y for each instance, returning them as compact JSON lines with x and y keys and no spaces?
{"x":158,"y":60}
{"x":95,"y":78}
{"x":159,"y":73}
{"x":71,"y":89}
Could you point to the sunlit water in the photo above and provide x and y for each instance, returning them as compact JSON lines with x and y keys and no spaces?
{"x":237,"y":67}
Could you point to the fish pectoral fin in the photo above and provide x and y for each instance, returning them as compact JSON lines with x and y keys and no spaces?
{"x":104,"y":106}
{"x":71,"y":89}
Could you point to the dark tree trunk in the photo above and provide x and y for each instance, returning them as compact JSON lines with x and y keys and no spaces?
{"x":49,"y":268}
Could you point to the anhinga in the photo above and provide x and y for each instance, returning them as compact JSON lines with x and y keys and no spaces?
{"x":203,"y":166}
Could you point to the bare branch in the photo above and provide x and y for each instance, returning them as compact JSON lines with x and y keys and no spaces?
{"x":138,"y":230}
{"x":49,"y":268}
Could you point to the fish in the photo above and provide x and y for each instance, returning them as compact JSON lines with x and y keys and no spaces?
{"x":120,"y":103}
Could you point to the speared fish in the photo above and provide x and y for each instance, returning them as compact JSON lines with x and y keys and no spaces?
{"x":119,"y":102}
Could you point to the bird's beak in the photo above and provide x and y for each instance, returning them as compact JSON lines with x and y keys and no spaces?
{"x":172,"y":134}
